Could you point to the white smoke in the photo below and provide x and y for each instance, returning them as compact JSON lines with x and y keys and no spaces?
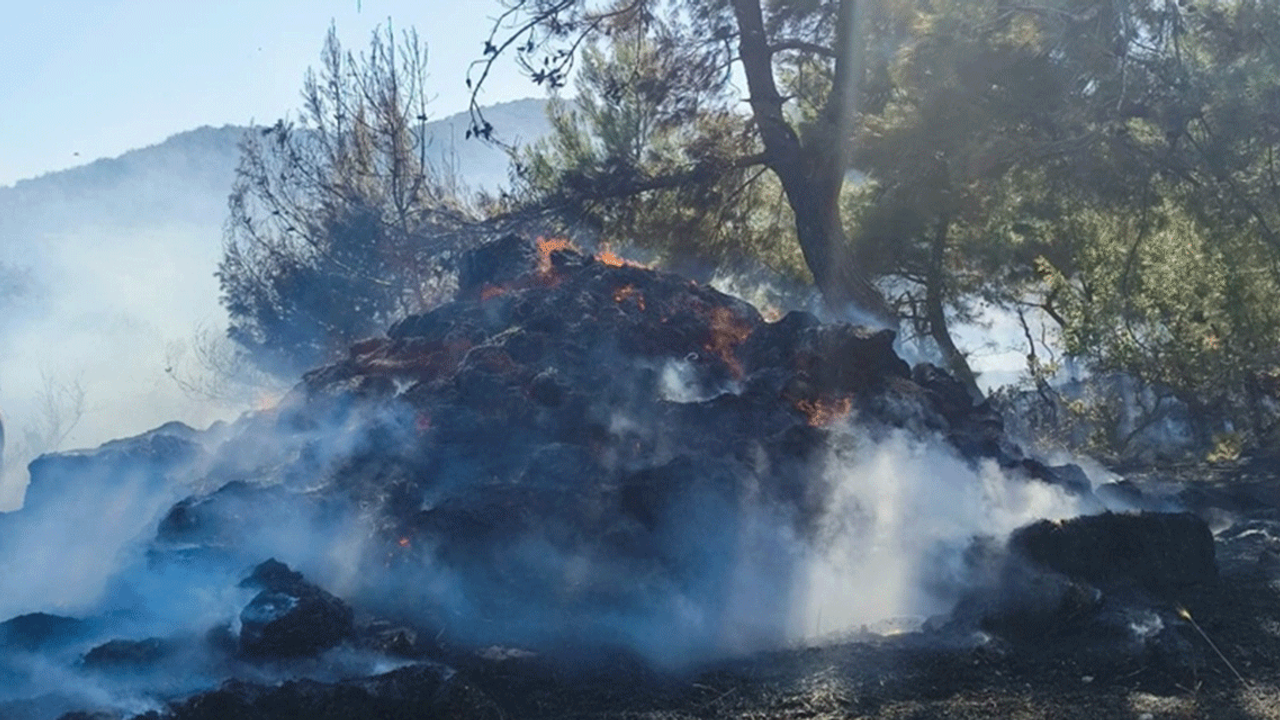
{"x":90,"y":356}
{"x":902,"y":512}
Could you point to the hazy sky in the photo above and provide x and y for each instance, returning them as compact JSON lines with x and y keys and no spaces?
{"x":84,"y":79}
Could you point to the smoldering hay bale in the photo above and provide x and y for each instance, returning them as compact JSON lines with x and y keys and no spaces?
{"x":524,"y":452}
{"x":1106,"y":585}
{"x":1154,"y":551}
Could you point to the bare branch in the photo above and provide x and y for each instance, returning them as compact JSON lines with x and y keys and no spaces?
{"x":522,"y":37}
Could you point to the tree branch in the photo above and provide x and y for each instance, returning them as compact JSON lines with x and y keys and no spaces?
{"x":480,"y":127}
{"x":689,"y":176}
{"x":780,"y":140}
{"x":802,"y":46}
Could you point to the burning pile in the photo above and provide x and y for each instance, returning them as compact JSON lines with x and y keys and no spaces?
{"x":576,"y":452}
{"x":620,"y":430}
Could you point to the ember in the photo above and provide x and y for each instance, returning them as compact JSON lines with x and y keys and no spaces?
{"x":612,"y":259}
{"x":728,"y":331}
{"x":825,"y":412}
{"x":629,"y":292}
{"x":547,"y":246}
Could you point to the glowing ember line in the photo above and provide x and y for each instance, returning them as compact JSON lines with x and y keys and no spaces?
{"x":547,"y":246}
{"x":608,"y":257}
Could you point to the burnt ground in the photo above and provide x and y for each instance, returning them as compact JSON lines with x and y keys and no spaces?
{"x":924,"y":675}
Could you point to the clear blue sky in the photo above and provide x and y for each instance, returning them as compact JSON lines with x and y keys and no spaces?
{"x":99,"y":77}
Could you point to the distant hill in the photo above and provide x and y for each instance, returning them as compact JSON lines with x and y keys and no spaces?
{"x":186,"y":178}
{"x":482,"y":166}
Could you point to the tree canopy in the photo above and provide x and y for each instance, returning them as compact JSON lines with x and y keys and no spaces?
{"x":808,"y":153}
{"x":1102,"y":169}
{"x":618,"y":130}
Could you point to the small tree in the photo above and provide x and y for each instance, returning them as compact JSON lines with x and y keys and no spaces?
{"x":619,"y":128}
{"x":338,"y":223}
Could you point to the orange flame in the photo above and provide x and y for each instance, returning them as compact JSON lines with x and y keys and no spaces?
{"x":825,"y":412}
{"x":727,"y":332}
{"x":403,"y":542}
{"x":546,"y":246}
{"x":612,"y":259}
{"x":608,"y":257}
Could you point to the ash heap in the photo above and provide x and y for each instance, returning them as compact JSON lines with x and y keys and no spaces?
{"x":577,"y":468}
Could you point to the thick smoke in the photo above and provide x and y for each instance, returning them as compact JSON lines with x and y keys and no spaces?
{"x":900,"y":512}
{"x":86,"y":547}
{"x":106,"y":277}
{"x":91,"y":352}
{"x":883,"y":553}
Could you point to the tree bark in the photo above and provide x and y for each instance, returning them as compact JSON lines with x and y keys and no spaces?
{"x":936,"y":316}
{"x":812,"y":170}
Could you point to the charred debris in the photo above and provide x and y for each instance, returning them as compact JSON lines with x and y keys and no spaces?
{"x":506,"y":504}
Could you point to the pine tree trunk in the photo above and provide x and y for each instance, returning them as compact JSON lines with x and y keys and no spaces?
{"x":846,"y":291}
{"x":936,"y":315}
{"x":812,"y":171}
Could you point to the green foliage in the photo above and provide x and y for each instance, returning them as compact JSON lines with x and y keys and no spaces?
{"x":629,"y":126}
{"x":673,"y":62}
{"x":1174,"y":302}
{"x":973,"y":107}
{"x":1165,"y":261}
